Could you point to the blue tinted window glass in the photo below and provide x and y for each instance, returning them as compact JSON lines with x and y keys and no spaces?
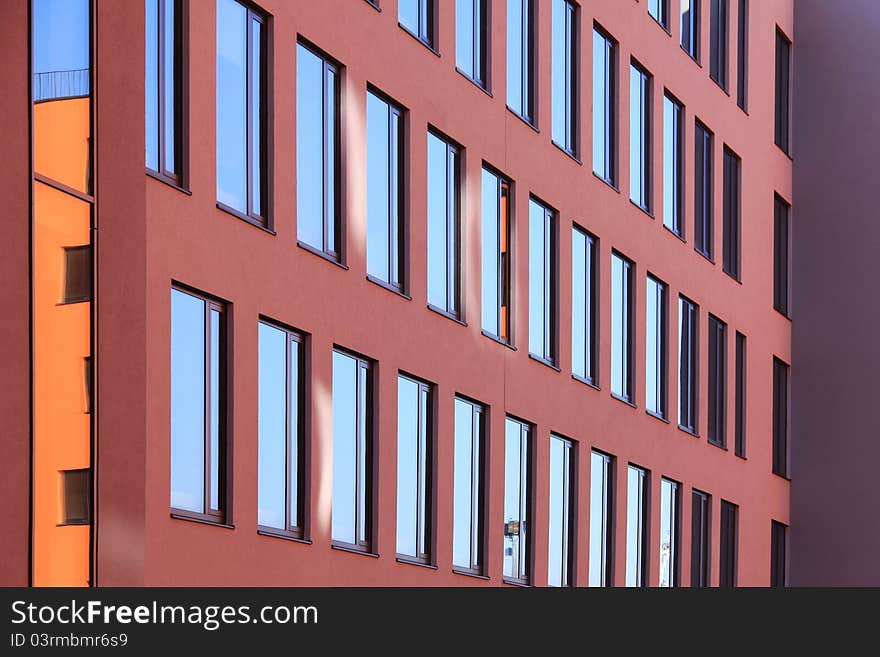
{"x":309,"y":148}
{"x":215,"y":409}
{"x":515,"y":46}
{"x":516,"y":499}
{"x":464,"y":36}
{"x":490,"y":251}
{"x":256,"y":120}
{"x":621,"y":341}
{"x":378,"y":188}
{"x":272,"y":427}
{"x":635,"y":501}
{"x":408,"y":467}
{"x":345,"y":446}
{"x":466,"y":533}
{"x":582,"y":305}
{"x":168,"y":71}
{"x":602,"y":111}
{"x":442,"y":225}
{"x":558,"y":568}
{"x":562,"y":74}
{"x":151,"y":76}
{"x":654,"y":346}
{"x":599,"y":520}
{"x":187,"y":402}
{"x":232,"y":105}
{"x":638,"y":138}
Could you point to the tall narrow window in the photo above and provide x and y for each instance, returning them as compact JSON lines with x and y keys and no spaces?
{"x":673,"y":169}
{"x":417,"y":17}
{"x":317,"y":153}
{"x":783,"y":91}
{"x":740,"y":403}
{"x":444,"y":226}
{"x":640,"y":137}
{"x":415,"y":444}
{"x":659,"y":10}
{"x":542,"y":281}
{"x":583,"y":305}
{"x":517,"y":500}
{"x":669,"y":511}
{"x":690,"y":28}
{"x":655,"y":347}
{"x":198,"y":429}
{"x":385,"y":192}
{"x":280,"y":437}
{"x":563,"y":496}
{"x":778,"y":552}
{"x":604,"y":111}
{"x":471,"y":40}
{"x":601,"y":518}
{"x":688,"y":328}
{"x":718,"y":41}
{"x":621,"y":327}
{"x":700,"y":524}
{"x":468,"y":522}
{"x":495,"y":245}
{"x":742,"y":54}
{"x":717,"y":379}
{"x":781,"y":249}
{"x":521,"y":58}
{"x":637,"y":529}
{"x":241,"y":111}
{"x":164,"y":88}
{"x":565,"y":54}
{"x":732,"y":204}
{"x":704,"y":234}
{"x":780,"y":418}
{"x":352,"y":513}
{"x":727,"y":566}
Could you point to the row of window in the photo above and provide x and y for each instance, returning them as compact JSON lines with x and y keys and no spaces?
{"x":242,"y":177}
{"x":200,"y":467}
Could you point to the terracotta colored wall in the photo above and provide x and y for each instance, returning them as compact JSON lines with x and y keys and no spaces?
{"x":14,"y":295}
{"x":835,"y":536}
{"x":186,"y":238}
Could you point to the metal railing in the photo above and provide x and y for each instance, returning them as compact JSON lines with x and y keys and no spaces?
{"x":54,"y":85}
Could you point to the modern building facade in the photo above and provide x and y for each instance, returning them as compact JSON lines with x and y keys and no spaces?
{"x":473,"y":293}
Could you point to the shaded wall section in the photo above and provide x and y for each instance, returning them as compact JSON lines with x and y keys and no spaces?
{"x":835,"y":535}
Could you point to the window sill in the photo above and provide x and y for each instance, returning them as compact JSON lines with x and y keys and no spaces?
{"x":606,"y":181}
{"x":353,"y":550}
{"x":202,"y":520}
{"x":740,"y":456}
{"x":783,"y":151}
{"x":245,"y":218}
{"x":782,"y":476}
{"x":283,"y":535}
{"x":516,"y":582}
{"x":732,"y":276}
{"x":674,"y":234}
{"x":446,"y":314}
{"x":661,"y":25}
{"x":418,"y":38}
{"x":325,"y":256}
{"x":783,"y":313}
{"x":586,"y":382}
{"x":374,"y":5}
{"x":689,"y":432}
{"x":720,"y":86}
{"x":714,"y":443}
{"x":626,"y":401}
{"x":705,"y":255}
{"x":694,"y":58}
{"x":523,"y":119}
{"x":567,"y":152}
{"x":495,"y":338}
{"x":414,"y":562}
{"x":477,"y":84}
{"x":544,"y":361}
{"x":657,"y":416}
{"x":642,"y":208}
{"x":387,"y":286}
{"x":467,"y":573}
{"x":171,"y":182}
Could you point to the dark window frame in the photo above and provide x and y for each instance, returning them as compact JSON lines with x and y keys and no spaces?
{"x":647,"y":131}
{"x":179,"y":178}
{"x":663,"y":10}
{"x":427,"y":31}
{"x":572,"y":76}
{"x":781,"y":424}
{"x":694,"y":32}
{"x":719,"y":30}
{"x":627,"y":395}
{"x":609,"y":493}
{"x":527,"y":501}
{"x":782,"y":93}
{"x":266,"y":218}
{"x":778,"y":554}
{"x":399,"y":194}
{"x":678,"y":156}
{"x":704,"y":190}
{"x":529,"y":68}
{"x":728,"y":545}
{"x":742,"y":55}
{"x":551,"y":282}
{"x":716,"y":379}
{"x":480,"y":496}
{"x":732,"y":215}
{"x":592,"y":292}
{"x":781,"y":255}
{"x":701,"y":536}
{"x":302,"y":341}
{"x":688,"y":386}
{"x":371,"y":460}
{"x":662,"y":349}
{"x":481,"y":49}
{"x":429,"y":510}
{"x":612,"y":133}
{"x":570,"y":493}
{"x":741,"y":385}
{"x":223,"y":513}
{"x":333,"y":252}
{"x":70,"y":480}
{"x":78,"y":275}
{"x":505,"y":273}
